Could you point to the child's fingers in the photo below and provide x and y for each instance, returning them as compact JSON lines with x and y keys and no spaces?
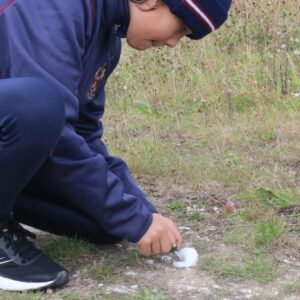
{"x":156,"y":247}
{"x":172,"y":240}
{"x":176,"y":235}
{"x":161,"y":236}
{"x":144,"y":247}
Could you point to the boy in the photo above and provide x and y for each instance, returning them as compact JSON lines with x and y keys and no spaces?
{"x":55,"y":172}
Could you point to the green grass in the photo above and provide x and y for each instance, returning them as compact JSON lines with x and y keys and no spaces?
{"x":176,"y":206}
{"x":259,"y":268}
{"x":223,"y":293}
{"x":268,"y":233}
{"x":273,"y":197}
{"x":66,"y":250}
{"x":132,"y":258}
{"x":143,"y":294}
{"x":146,"y":294}
{"x":104,"y":271}
{"x":257,"y":237}
{"x":20,"y":296}
{"x":292,"y":288}
{"x":70,"y":295}
{"x":213,"y":113}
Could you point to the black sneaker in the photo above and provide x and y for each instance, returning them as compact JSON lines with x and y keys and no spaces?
{"x":22,"y":266}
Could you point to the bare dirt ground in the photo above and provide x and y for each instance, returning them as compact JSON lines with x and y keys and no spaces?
{"x":127,"y":273}
{"x":156,"y":274}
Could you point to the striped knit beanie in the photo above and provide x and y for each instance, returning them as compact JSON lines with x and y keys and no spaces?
{"x":201,"y":16}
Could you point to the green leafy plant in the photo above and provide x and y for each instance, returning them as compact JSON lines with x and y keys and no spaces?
{"x":144,"y":107}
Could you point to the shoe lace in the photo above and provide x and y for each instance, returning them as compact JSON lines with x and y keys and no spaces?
{"x":15,"y":237}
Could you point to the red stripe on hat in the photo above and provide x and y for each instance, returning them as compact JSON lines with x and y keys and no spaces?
{"x":199,"y":15}
{"x":6,"y":5}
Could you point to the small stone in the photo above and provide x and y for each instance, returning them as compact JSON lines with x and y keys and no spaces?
{"x":130,"y":273}
{"x":246,"y":291}
{"x":184,"y":228}
{"x":166,"y":258}
{"x":216,"y":286}
{"x":149,"y":261}
{"x":49,"y":291}
{"x":203,"y":238}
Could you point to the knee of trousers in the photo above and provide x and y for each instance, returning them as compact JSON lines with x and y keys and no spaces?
{"x":32,"y":109}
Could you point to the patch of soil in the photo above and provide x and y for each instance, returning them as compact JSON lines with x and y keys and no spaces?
{"x":157,"y":273}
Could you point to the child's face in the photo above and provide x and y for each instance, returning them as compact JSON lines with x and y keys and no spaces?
{"x":153,"y":28}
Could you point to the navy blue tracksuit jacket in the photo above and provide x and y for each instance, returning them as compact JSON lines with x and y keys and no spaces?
{"x":75,"y":45}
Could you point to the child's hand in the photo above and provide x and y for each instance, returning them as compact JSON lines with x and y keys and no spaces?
{"x":161,"y":236}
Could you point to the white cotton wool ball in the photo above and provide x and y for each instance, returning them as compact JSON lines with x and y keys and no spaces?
{"x":189,"y":258}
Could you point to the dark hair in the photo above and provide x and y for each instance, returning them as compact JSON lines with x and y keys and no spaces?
{"x":158,"y":3}
{"x":142,"y":1}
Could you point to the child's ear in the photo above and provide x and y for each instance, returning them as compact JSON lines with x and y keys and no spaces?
{"x":147,"y":5}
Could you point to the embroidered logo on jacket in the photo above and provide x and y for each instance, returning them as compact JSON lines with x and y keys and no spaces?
{"x":99,"y":75}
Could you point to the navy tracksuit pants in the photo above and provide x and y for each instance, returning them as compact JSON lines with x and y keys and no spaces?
{"x":31,"y":119}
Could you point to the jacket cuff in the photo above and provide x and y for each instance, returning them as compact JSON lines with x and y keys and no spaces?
{"x":142,"y":225}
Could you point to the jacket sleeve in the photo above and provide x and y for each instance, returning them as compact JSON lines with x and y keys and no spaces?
{"x":90,"y":127}
{"x":85,"y":180}
{"x":47,"y":39}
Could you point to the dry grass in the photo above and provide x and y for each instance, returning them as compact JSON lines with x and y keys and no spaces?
{"x":219,"y":116}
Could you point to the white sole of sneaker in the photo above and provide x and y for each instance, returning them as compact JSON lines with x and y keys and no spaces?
{"x":12,"y":285}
